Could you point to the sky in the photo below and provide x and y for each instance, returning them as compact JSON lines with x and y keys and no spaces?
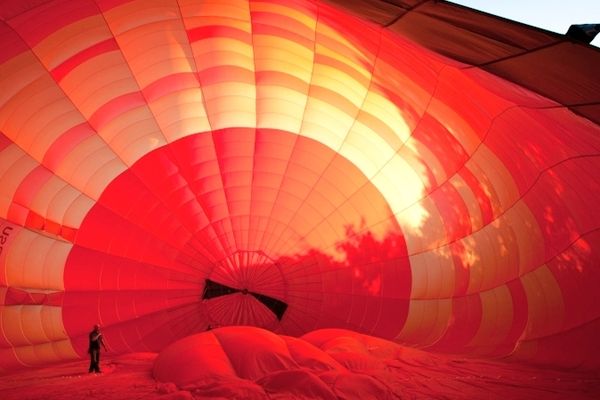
{"x":552,"y":15}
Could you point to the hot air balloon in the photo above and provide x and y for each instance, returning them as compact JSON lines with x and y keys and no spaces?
{"x":419,"y":172}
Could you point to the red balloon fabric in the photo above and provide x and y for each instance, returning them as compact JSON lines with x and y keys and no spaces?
{"x":249,"y":362}
{"x":170,"y":166}
{"x":241,"y":362}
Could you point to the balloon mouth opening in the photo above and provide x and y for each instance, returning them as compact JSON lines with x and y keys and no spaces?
{"x":248,"y":273}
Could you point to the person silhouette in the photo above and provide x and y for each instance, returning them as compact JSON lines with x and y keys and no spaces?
{"x":96,"y":340}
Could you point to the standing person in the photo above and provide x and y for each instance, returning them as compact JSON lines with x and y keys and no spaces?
{"x":94,"y":348}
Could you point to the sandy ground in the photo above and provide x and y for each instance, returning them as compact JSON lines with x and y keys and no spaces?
{"x":419,"y":375}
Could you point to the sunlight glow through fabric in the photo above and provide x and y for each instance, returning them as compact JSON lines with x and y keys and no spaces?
{"x":290,"y":150}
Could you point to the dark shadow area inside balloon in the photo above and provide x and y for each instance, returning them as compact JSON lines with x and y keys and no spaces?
{"x":214,"y":289}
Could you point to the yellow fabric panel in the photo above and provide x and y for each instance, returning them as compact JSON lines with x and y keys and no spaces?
{"x":455,"y":124}
{"x":389,"y":78}
{"x":69,"y":40}
{"x":545,"y":303}
{"x":52,"y":323}
{"x":231,"y":104}
{"x":33,"y":324}
{"x":238,"y":107}
{"x":387,"y":113}
{"x":54,"y":264}
{"x":17,"y":74}
{"x":202,"y":18}
{"x":181,"y":113}
{"x":131,"y":15}
{"x":423,"y":161}
{"x":479,"y":252}
{"x":23,"y":324}
{"x":486,"y":184}
{"x":42,"y":354}
{"x":343,"y":51}
{"x":220,"y":51}
{"x":504,"y":187}
{"x":433,"y":274}
{"x":281,"y":115}
{"x":403,"y":189}
{"x":33,"y":111}
{"x":421,"y":224}
{"x":498,"y":254}
{"x":426,"y":322}
{"x":366,"y":122}
{"x":284,"y":55}
{"x":305,"y":18}
{"x":285,"y":112}
{"x":35,"y":261}
{"x":145,"y":45}
{"x":97,"y":81}
{"x":304,"y":226}
{"x":153,"y":50}
{"x":281,"y":54}
{"x":366,"y":150}
{"x":228,"y":111}
{"x":298,"y":64}
{"x":324,"y":235}
{"x":470,"y":201}
{"x":52,"y":121}
{"x":80,"y":206}
{"x":90,"y":166}
{"x":44,"y":98}
{"x":98,"y":181}
{"x":10,"y":325}
{"x":277,"y":113}
{"x":337,"y":81}
{"x":5,"y":203}
{"x":528,"y":236}
{"x":234,"y":9}
{"x":496,"y":319}
{"x":162,"y":68}
{"x":325,"y":123}
{"x":53,"y":198}
{"x":14,"y":167}
{"x":132,"y":140}
{"x":8,"y":239}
